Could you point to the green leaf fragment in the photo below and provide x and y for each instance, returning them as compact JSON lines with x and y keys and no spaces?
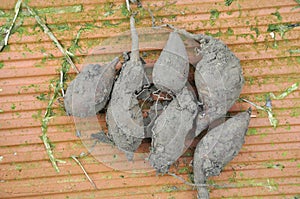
{"x":108,"y":9}
{"x":230,"y":32}
{"x":13,"y":107}
{"x":252,"y":131}
{"x":61,"y":10}
{"x":272,"y":185}
{"x":277,"y":14}
{"x":124,"y":10}
{"x":274,"y":166}
{"x":256,"y":30}
{"x":296,"y":7}
{"x":2,"y":13}
{"x":214,"y":15}
{"x":294,"y":51}
{"x":228,"y":2}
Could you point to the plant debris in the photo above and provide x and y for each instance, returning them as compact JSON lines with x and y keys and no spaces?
{"x":281,"y":28}
{"x":297,"y":7}
{"x":268,"y":109}
{"x":214,"y":15}
{"x":277,"y":14}
{"x":228,"y":2}
{"x":7,"y":32}
{"x":75,"y":158}
{"x":286,"y":92}
{"x":46,"y":30}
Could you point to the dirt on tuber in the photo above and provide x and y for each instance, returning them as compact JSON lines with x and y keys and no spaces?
{"x":217,"y":148}
{"x":219,"y":81}
{"x":124,"y":115}
{"x":170,"y":71}
{"x":89,"y":92}
{"x":171,"y":129}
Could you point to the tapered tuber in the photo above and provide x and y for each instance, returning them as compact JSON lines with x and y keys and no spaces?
{"x":217,"y":148}
{"x":124,"y":116}
{"x":218,"y":79}
{"x":171,"y":129}
{"x":89,"y":92}
{"x":171,"y":70}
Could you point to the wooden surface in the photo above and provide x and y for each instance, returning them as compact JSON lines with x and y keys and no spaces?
{"x":267,"y":167}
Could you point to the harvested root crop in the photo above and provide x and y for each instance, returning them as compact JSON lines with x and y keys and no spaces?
{"x":171,"y":130}
{"x":89,"y":92}
{"x":155,"y":110}
{"x":218,"y":79}
{"x":171,"y":70}
{"x":217,"y":148}
{"x":124,"y":116}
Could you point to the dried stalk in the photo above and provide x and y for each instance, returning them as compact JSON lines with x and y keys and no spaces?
{"x":127,"y":5}
{"x":62,"y":83}
{"x":59,"y":86}
{"x":66,"y":53}
{"x":255,"y":105}
{"x":286,"y":92}
{"x":8,"y":31}
{"x":84,"y":171}
{"x":48,"y":115}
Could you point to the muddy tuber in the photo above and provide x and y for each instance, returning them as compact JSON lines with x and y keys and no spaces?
{"x":89,"y":92}
{"x":217,"y":148}
{"x":171,"y":129}
{"x":218,"y":79}
{"x":170,"y":72}
{"x":124,"y":116}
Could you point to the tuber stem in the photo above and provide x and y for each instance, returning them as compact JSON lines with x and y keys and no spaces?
{"x":135,"y":41}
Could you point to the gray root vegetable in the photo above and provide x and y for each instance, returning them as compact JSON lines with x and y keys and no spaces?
{"x":218,"y":79}
{"x":217,"y":148}
{"x":124,"y":116}
{"x":171,"y":130}
{"x":155,"y":110}
{"x":171,"y":70}
{"x":89,"y":92}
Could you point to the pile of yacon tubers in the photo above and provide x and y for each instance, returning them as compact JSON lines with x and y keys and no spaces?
{"x":176,"y":113}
